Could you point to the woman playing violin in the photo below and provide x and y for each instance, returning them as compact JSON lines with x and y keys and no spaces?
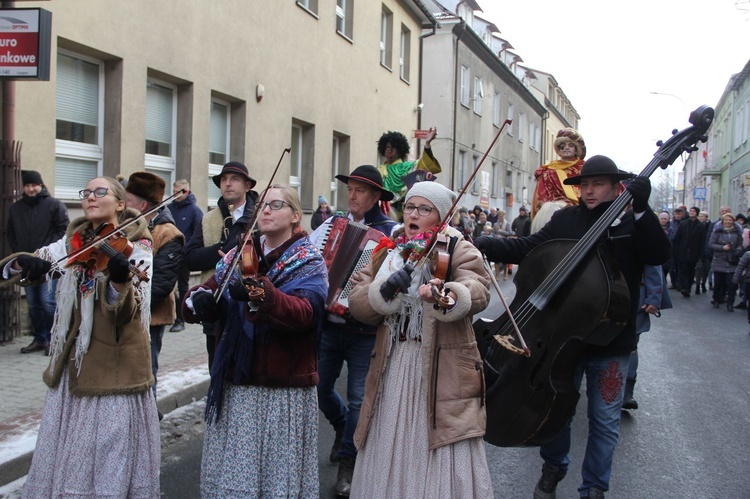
{"x":99,"y":434}
{"x":262,"y":434}
{"x":423,"y":405}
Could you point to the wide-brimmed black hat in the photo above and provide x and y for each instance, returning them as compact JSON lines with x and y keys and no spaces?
{"x":598,"y":166}
{"x":369,"y":175}
{"x":234,"y":167}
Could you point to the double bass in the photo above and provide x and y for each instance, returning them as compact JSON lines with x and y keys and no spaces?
{"x":570,"y":294}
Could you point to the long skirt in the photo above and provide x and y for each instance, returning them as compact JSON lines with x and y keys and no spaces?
{"x":395,"y":460}
{"x":263,"y":444}
{"x":105,"y":446}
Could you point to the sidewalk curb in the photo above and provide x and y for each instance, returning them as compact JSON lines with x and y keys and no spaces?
{"x":19,"y":466}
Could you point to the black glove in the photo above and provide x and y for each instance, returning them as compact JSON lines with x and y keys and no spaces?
{"x":32,"y":268}
{"x":733,"y":288}
{"x":640,"y":189}
{"x":238,"y":291}
{"x":119,"y":268}
{"x":204,"y":306}
{"x":233,"y":238}
{"x":398,"y":281}
{"x":483,"y":243}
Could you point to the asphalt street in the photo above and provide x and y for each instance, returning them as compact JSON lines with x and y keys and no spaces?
{"x":688,"y":439}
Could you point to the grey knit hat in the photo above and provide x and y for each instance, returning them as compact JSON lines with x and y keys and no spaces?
{"x":439,"y":195}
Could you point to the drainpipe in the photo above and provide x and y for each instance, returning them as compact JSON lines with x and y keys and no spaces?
{"x":421,"y":80}
{"x":456,"y":97}
{"x":9,"y":100}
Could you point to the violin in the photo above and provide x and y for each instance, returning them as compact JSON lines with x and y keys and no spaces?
{"x":245,"y":259}
{"x":249,"y":269}
{"x":113,"y":241}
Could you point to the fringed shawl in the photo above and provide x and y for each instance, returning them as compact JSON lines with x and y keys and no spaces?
{"x":78,"y":287}
{"x":299,"y":271}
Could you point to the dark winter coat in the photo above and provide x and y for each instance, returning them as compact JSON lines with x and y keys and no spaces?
{"x":634,"y":243}
{"x":36,"y":221}
{"x":217,"y":231}
{"x":187,"y":216}
{"x":168,"y":246}
{"x":689,"y":240}
{"x":719,"y":238}
{"x":319,"y":217}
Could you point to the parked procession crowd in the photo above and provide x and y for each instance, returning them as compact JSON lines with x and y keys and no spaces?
{"x":414,"y":414}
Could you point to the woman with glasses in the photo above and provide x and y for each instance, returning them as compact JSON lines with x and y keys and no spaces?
{"x":571,"y":149}
{"x":99,"y":433}
{"x":423,"y":417}
{"x":262,"y":410}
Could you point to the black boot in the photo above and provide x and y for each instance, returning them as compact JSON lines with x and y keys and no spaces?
{"x":730,"y":307}
{"x":628,"y":402}
{"x":334,"y":457}
{"x":344,"y":480}
{"x":546,"y":487}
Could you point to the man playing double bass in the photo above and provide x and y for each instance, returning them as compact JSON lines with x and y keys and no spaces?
{"x":635,"y":238}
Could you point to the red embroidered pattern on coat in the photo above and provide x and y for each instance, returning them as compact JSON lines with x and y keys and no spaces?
{"x":610,"y":382}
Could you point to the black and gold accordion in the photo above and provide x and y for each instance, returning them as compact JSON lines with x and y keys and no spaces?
{"x":347,"y":247}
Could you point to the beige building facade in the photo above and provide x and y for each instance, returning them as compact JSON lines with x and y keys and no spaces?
{"x":181,"y":87}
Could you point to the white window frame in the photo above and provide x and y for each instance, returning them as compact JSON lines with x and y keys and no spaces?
{"x":335,"y":170}
{"x":77,"y":150}
{"x":404,"y":60}
{"x":344,"y":13}
{"x":465,"y":79}
{"x":213,"y":168}
{"x":386,"y":38}
{"x":309,"y":5}
{"x":295,"y":163}
{"x":164,"y":164}
{"x":475,"y":184}
{"x":461,"y":167}
{"x":494,"y":182}
{"x":478,"y":95}
{"x":511,"y":113}
{"x":496,"y":110}
{"x":521,"y":126}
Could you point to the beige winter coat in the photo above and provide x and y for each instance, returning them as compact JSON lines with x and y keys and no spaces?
{"x":451,"y":363}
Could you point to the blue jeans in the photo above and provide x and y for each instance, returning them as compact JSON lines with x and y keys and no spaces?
{"x":336,"y":346}
{"x":156,"y":333}
{"x":605,"y":383}
{"x":41,"y":300}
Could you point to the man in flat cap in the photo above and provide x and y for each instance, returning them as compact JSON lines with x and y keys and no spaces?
{"x":48,"y":218}
{"x":635,"y":238}
{"x":220,"y":230}
{"x":145,"y":190}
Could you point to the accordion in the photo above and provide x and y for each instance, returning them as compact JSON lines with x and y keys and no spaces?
{"x":347,"y":247}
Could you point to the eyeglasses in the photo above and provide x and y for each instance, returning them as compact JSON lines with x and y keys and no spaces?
{"x":422,"y":209}
{"x":275,"y":205}
{"x":99,"y":192}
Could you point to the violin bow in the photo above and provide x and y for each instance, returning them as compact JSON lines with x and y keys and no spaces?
{"x":99,"y":240}
{"x":248,"y":233}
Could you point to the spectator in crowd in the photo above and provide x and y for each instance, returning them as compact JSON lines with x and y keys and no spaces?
{"x":726,"y":244}
{"x":187,"y":217}
{"x":48,"y":217}
{"x":144,"y":191}
{"x":322,"y":214}
{"x":220,"y":230}
{"x":521,"y":226}
{"x":687,"y":248}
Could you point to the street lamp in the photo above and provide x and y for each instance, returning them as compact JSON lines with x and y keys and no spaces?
{"x":674,"y":96}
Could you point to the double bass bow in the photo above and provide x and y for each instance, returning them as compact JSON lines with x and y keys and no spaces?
{"x":569,"y":294}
